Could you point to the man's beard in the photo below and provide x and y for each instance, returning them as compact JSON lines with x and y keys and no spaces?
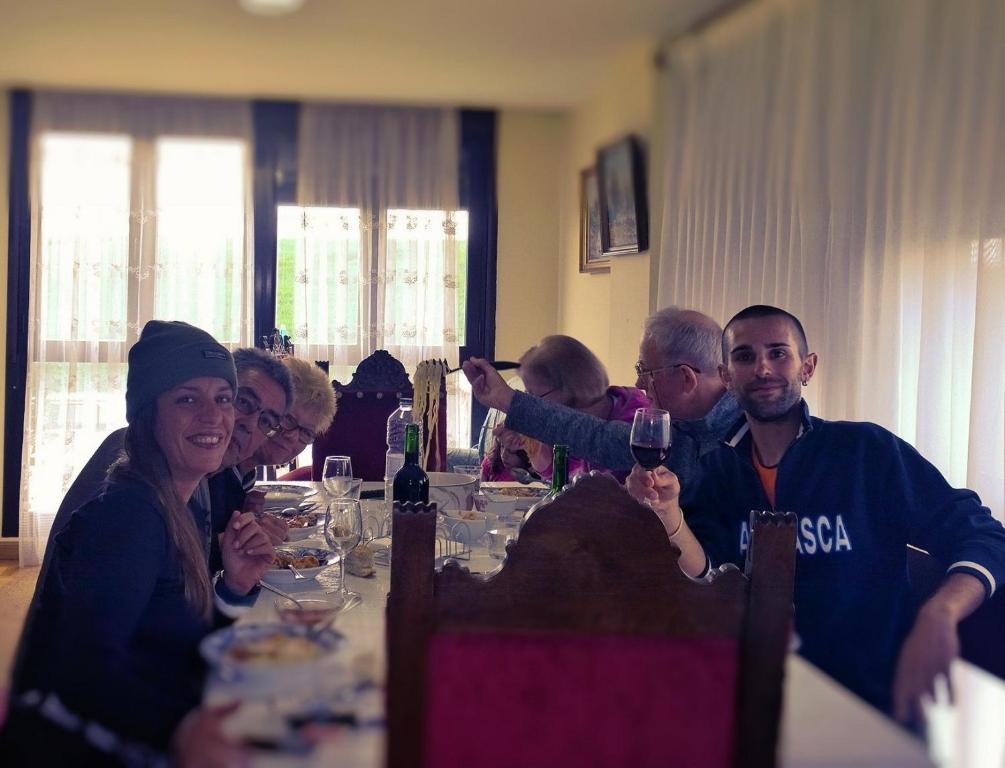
{"x":776,"y":410}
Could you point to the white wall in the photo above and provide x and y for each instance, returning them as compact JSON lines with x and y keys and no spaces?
{"x":530,"y":162}
{"x":606,"y":310}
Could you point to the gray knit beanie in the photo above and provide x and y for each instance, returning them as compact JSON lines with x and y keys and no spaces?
{"x":169,"y":353}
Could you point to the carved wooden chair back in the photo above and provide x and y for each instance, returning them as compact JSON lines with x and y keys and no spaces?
{"x":589,"y":645}
{"x":359,"y":427}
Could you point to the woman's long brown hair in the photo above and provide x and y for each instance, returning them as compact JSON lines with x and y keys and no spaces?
{"x":144,"y":461}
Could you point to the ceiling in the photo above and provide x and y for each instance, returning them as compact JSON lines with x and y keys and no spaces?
{"x":501,"y":53}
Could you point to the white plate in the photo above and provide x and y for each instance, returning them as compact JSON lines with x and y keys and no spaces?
{"x":282,"y":495}
{"x":215,"y":648}
{"x":497,"y":490}
{"x":300,"y":533}
{"x":281,"y":576}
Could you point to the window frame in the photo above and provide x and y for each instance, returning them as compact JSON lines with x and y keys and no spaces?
{"x":274,"y":181}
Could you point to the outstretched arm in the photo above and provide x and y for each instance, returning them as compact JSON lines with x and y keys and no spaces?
{"x":659,"y":489}
{"x":487,"y":385}
{"x":933,"y":643}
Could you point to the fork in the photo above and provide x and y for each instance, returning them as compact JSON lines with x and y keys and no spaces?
{"x":297,"y":575}
{"x":499,"y":365}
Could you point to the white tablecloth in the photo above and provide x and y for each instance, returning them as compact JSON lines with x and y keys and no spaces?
{"x":823,"y":725}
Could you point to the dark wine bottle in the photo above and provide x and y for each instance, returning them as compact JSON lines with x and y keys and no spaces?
{"x":648,"y":456}
{"x":559,"y":468}
{"x":559,"y":478}
{"x":411,"y":484}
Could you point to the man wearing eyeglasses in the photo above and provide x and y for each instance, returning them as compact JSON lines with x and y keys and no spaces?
{"x":861,"y":495}
{"x":678,"y":369}
{"x":312,"y":412}
{"x":264,"y":395}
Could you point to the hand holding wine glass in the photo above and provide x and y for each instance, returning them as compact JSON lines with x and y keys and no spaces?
{"x":336,"y":475}
{"x":650,"y":440}
{"x":343,"y":529}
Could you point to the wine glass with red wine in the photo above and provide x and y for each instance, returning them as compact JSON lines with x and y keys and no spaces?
{"x":650,"y":441}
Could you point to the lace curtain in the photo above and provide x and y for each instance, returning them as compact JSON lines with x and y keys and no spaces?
{"x":840,"y":158}
{"x":140,"y":209}
{"x":380,"y":245}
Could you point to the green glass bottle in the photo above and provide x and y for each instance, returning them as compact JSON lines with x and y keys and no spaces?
{"x":411,"y":484}
{"x":559,"y":478}
{"x":559,"y":469}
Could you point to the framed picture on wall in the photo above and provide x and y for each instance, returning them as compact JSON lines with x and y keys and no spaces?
{"x":591,"y":251}
{"x":621,"y":182}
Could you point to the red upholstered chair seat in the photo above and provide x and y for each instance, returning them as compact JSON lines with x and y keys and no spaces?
{"x":521,"y":699}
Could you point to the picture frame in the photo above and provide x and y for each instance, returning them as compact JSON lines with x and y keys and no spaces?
{"x":591,"y":252}
{"x":621,"y":183}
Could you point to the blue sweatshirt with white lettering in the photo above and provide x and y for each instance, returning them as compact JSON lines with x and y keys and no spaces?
{"x":861,"y":495}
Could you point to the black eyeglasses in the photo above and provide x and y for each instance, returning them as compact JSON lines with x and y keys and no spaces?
{"x":651,"y":372}
{"x":304,"y":435}
{"x":544,"y":394}
{"x":247,"y":403}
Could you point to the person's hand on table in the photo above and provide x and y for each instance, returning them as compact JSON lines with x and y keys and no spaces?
{"x":275,"y":528}
{"x":659,"y":489}
{"x":927,"y":652}
{"x":488,"y":387}
{"x":200,"y":742}
{"x":246,"y":551}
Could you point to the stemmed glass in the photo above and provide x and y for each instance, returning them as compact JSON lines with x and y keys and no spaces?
{"x":343,"y":529}
{"x":336,"y":476}
{"x":650,"y":440}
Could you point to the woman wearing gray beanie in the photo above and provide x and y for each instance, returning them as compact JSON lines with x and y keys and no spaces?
{"x":127,"y":597}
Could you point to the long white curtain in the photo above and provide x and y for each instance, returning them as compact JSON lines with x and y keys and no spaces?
{"x":140,"y":209}
{"x":384,"y":244}
{"x":841,"y":159}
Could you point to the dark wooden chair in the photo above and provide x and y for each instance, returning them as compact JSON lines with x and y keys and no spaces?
{"x":360,"y":426}
{"x":588,"y":647}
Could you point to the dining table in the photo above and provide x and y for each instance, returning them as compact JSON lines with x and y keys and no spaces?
{"x":823,"y":724}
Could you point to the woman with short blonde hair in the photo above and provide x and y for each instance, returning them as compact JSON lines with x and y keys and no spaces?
{"x":563,"y":370}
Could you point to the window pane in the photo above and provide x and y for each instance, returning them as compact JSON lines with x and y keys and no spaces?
{"x":318,"y":275}
{"x":200,"y":223}
{"x":427,"y":273}
{"x":84,"y":223}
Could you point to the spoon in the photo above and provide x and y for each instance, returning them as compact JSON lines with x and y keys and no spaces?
{"x":277,"y":591}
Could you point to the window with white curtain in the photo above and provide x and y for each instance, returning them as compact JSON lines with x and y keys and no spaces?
{"x":130,"y":225}
{"x":325,"y":276}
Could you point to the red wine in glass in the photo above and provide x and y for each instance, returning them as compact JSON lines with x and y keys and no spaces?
{"x":650,"y":440}
{"x":649,"y":456}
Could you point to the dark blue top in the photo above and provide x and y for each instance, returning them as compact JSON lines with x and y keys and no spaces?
{"x":861,"y":495}
{"x":112,"y":633}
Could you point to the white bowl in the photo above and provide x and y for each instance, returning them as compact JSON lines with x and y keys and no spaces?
{"x":221,"y":650}
{"x":466,"y":527}
{"x":452,"y":491}
{"x":284,"y":576}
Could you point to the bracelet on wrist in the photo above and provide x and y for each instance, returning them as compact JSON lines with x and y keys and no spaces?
{"x":676,"y":530}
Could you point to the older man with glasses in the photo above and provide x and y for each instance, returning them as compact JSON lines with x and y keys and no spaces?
{"x":264,"y":395}
{"x":678,"y":368}
{"x":312,"y":412}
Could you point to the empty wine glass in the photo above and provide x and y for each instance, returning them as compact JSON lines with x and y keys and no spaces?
{"x":336,"y":476}
{"x":343,"y":529}
{"x":650,"y":440}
